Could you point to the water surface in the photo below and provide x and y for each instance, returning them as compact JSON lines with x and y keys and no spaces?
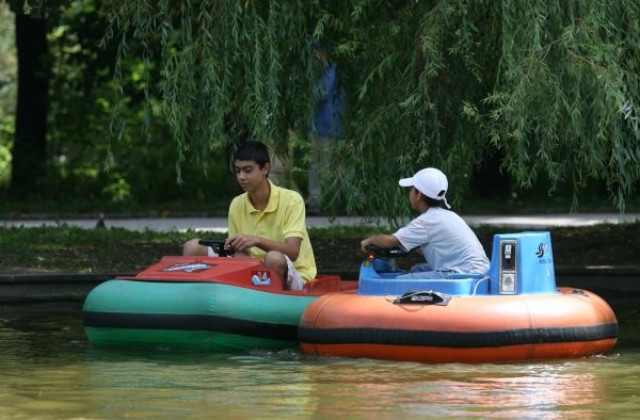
{"x":49,"y":370}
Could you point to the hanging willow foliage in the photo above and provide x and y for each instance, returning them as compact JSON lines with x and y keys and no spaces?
{"x":553,"y":86}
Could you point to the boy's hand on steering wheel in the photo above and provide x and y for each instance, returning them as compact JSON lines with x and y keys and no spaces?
{"x":242,"y":243}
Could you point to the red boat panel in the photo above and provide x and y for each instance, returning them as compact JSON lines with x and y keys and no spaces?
{"x":243,"y":272}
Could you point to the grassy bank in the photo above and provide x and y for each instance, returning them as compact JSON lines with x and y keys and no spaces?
{"x":76,"y":250}
{"x":66,"y":249}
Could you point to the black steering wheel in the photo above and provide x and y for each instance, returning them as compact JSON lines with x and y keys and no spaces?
{"x":387,"y":252}
{"x":217,"y":245}
{"x":391,"y":254}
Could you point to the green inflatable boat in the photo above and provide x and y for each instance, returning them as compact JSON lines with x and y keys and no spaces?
{"x":201,"y":304}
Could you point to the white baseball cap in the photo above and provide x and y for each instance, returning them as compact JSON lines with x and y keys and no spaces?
{"x":430,"y":182}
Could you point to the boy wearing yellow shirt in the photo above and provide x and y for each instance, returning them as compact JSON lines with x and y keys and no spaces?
{"x":266,"y":221}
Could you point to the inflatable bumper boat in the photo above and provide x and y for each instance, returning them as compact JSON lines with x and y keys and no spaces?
{"x":212,"y":304}
{"x":513,"y":313}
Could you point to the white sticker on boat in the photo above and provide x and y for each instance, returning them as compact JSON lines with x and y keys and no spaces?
{"x":188,"y":267}
{"x":261,"y":278}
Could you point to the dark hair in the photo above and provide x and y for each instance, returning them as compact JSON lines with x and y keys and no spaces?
{"x":252,"y":150}
{"x":431,"y":202}
{"x":434,"y":203}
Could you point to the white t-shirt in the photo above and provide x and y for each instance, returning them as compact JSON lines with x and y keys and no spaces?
{"x":447,"y":243}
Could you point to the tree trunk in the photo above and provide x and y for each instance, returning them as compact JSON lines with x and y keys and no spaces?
{"x":29,"y":147}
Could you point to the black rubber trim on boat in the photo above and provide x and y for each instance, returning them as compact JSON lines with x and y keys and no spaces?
{"x":457,"y":339}
{"x":190,"y":322}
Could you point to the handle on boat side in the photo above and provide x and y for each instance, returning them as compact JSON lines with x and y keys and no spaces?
{"x":423,"y":297}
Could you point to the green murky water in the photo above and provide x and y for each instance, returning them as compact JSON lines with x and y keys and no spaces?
{"x":49,"y":370}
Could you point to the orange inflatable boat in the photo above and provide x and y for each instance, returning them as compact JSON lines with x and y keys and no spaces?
{"x":513,"y":313}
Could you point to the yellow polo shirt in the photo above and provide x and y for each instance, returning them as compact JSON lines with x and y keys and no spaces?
{"x":284,"y":217}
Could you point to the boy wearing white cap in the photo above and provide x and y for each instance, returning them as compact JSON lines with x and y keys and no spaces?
{"x":447,"y":242}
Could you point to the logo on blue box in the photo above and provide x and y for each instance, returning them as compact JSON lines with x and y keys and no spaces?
{"x":542,"y":249}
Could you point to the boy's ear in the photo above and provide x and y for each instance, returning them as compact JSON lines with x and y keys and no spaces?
{"x":267,"y":166}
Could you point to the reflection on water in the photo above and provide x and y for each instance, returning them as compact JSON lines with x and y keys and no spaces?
{"x":48,"y":369}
